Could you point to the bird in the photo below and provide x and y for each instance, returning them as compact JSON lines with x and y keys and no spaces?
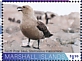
{"x":11,"y":19}
{"x":48,"y":18}
{"x":31,"y":27}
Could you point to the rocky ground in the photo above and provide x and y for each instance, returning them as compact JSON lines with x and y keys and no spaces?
{"x":65,"y":29}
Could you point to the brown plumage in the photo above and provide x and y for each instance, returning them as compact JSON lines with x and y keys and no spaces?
{"x":32,"y":28}
{"x":44,"y":29}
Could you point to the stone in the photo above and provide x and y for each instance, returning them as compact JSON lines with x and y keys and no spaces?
{"x":12,"y":29}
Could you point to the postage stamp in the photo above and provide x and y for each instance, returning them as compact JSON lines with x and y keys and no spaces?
{"x":41,"y":31}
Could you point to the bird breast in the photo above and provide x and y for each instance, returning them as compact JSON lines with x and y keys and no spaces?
{"x":30,"y":30}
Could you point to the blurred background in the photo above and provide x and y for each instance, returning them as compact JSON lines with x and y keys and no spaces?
{"x":63,"y":22}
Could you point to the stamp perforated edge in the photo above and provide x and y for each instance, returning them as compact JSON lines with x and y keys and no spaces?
{"x":51,"y":60}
